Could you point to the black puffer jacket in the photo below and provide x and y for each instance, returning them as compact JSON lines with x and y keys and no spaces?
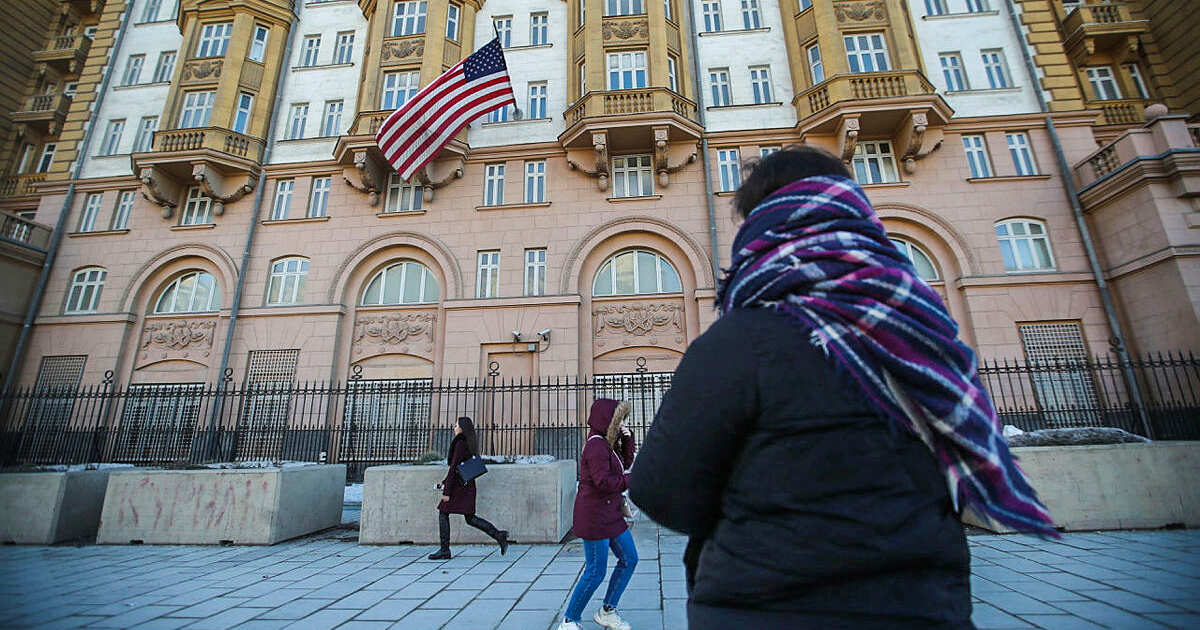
{"x":804,"y":508}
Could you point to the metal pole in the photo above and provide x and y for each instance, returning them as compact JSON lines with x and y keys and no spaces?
{"x":698,"y":87}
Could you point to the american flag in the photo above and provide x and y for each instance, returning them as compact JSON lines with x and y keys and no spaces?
{"x":412,"y":135}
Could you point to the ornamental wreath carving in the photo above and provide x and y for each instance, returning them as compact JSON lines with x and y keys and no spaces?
{"x":202,"y":69}
{"x":393,"y":332}
{"x":626,"y":30}
{"x":177,"y":339}
{"x":858,"y":12}
{"x":648,"y":320}
{"x":402,"y":49}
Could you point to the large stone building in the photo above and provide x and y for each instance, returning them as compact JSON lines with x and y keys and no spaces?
{"x":220,"y":202}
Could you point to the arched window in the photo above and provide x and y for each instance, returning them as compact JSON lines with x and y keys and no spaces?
{"x":86,"y":285}
{"x":636,"y":272}
{"x":192,"y":292}
{"x":1024,"y":245}
{"x":926,"y":270}
{"x":405,"y":282}
{"x":286,"y":285}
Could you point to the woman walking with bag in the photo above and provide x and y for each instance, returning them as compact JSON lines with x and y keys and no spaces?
{"x":598,"y":518}
{"x":459,"y":497}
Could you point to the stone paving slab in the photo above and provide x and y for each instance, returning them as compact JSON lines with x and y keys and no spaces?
{"x":1143,"y":579}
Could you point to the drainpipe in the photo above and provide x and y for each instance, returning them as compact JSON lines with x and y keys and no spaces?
{"x":215,"y":415}
{"x":694,"y":43}
{"x":61,"y":224}
{"x":1117,"y":342}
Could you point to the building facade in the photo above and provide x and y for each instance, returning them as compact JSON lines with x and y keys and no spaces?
{"x":226,"y":208}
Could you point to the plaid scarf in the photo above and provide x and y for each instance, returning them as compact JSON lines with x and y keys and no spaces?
{"x":815,"y":251}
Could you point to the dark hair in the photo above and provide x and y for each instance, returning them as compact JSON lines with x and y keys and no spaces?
{"x":781,"y":168}
{"x":468,"y":433}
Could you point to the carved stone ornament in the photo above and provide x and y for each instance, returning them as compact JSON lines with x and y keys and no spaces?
{"x":429,"y":183}
{"x":220,"y":188}
{"x":625,"y":29}
{"x":159,"y":189}
{"x":199,"y":70}
{"x":630,"y":323}
{"x":600,"y":146}
{"x":912,"y":140}
{"x":367,"y":176}
{"x":402,"y":49}
{"x":407,"y":333}
{"x":848,"y":137}
{"x":858,"y":11}
{"x":177,"y":339}
{"x":662,"y":154}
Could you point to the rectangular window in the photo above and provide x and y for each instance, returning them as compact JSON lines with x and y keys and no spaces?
{"x":668,"y":10}
{"x":452,"y":13}
{"x":503,"y":26}
{"x":398,"y":87}
{"x":112,"y":137}
{"x":977,"y":6}
{"x":750,"y":15}
{"x":582,"y":12}
{"x":258,"y":44}
{"x":866,"y":52}
{"x":144,"y":141}
{"x":582,"y":79}
{"x":1022,"y":154}
{"x":765,"y":151}
{"x":91,"y":209}
{"x":26,"y":157}
{"x":712,"y":16}
{"x":296,"y":121}
{"x":996,"y":68}
{"x":539,"y":29}
{"x":403,"y":196}
{"x":1066,"y":394}
{"x":283,"y":199}
{"x":535,"y":181}
{"x":120,"y":220}
{"x":47,"y":157}
{"x":150,"y":12}
{"x":632,"y":176}
{"x":977,"y":156}
{"x":197,"y":210}
{"x":730,"y":168}
{"x":197,"y":109}
{"x":165,"y":66}
{"x":133,"y":70}
{"x":805,"y":4}
{"x":503,"y":114}
{"x":318,"y":201}
{"x":952,"y":71}
{"x":935,"y":7}
{"x":343,"y":52}
{"x":627,"y":70}
{"x":874,"y":163}
{"x":1139,"y":84}
{"x":760,"y":81}
{"x":624,"y":7}
{"x":718,"y":79}
{"x":90,"y":32}
{"x":241,"y":118}
{"x":1024,"y":245}
{"x":1104,"y":83}
{"x":70,"y":88}
{"x":672,"y":74}
{"x":489,"y":275}
{"x":311,"y":49}
{"x":493,"y":186}
{"x":408,"y":19}
{"x":815,"y":67}
{"x":214,"y":39}
{"x":537,"y":101}
{"x":535,"y":272}
{"x":332,"y":124}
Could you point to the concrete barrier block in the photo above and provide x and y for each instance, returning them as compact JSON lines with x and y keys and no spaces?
{"x":259,"y":506}
{"x":42,"y":508}
{"x":534,"y":502}
{"x":1113,"y":486}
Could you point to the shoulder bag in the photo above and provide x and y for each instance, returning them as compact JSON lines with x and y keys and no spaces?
{"x":470,"y":469}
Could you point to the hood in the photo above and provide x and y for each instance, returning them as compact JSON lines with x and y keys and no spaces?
{"x":606,"y":413}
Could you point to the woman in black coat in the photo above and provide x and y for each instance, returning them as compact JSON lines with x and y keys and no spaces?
{"x":807,"y":499}
{"x":459,"y":498}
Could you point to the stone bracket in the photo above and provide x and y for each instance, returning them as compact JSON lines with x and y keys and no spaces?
{"x":160,"y":189}
{"x":847,"y":134}
{"x":600,"y":146}
{"x":368,"y":175}
{"x":912,"y":141}
{"x":221,"y":188}
{"x":429,"y":184}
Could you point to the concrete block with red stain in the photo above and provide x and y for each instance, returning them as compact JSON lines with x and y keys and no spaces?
{"x":42,"y":508}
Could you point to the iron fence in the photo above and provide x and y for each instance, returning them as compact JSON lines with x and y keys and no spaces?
{"x":365,"y":422}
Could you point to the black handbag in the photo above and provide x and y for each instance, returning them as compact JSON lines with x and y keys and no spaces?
{"x":470,"y":469}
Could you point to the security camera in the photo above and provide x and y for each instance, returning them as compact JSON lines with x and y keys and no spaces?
{"x":516,"y":335}
{"x":545,"y":334}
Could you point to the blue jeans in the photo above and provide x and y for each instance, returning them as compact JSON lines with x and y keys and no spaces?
{"x":595,"y":565}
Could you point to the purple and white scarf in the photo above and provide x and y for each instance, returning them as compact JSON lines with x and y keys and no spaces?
{"x":815,"y":251}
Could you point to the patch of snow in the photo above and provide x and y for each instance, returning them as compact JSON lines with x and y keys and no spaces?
{"x":1010,"y":430}
{"x":353,"y":493}
{"x":258,"y":463}
{"x":79,"y":467}
{"x":500,"y":459}
{"x":1075,"y":437}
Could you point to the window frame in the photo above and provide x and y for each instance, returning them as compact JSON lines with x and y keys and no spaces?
{"x":150,"y":11}
{"x":729,"y":167}
{"x":1012,"y":254}
{"x":332,"y":123}
{"x":1139,"y":82}
{"x":214,"y":40}
{"x":719,"y":87}
{"x":123,"y":210}
{"x":996,"y":68}
{"x":144,"y":139}
{"x":453,"y":16}
{"x":196,"y":206}
{"x":884,"y":162}
{"x":84,"y":290}
{"x":636,"y":73}
{"x":310,"y":51}
{"x":195,"y":109}
{"x":46,"y":160}
{"x":637,"y":168}
{"x":502,"y":27}
{"x":1015,"y":150}
{"x":343,"y":48}
{"x":258,"y":46}
{"x":615,"y":8}
{"x":907,"y":247}
{"x":165,"y":66}
{"x":710,"y":11}
{"x":90,"y":212}
{"x":1097,"y":83}
{"x":198,"y":275}
{"x":243,"y":112}
{"x":296,"y":122}
{"x":281,"y":204}
{"x":953,"y":71}
{"x":406,"y":85}
{"x":935,"y":7}
{"x":873,"y":56}
{"x":539,"y":33}
{"x":539,"y":96}
{"x":975,"y":149}
{"x":815,"y":66}
{"x":761,"y":84}
{"x":278,"y":279}
{"x":403,"y":19}
{"x":493,"y":184}
{"x":672,"y":74}
{"x":535,"y":181}
{"x":318,"y":197}
{"x":133,"y":70}
{"x":487,"y":274}
{"x":535,"y":270}
{"x":661,"y":263}
{"x":423,"y":296}
{"x":113,"y":132}
{"x":400,"y":190}
{"x":751,"y":15}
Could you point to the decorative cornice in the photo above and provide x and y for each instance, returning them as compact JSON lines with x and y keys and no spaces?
{"x":190,"y":339}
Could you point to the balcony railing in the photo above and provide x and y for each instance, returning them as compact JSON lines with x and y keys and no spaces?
{"x":854,"y":87}
{"x":1121,"y":112}
{"x":45,"y":111}
{"x":24,"y":232}
{"x":64,"y":50}
{"x":1107,"y":13}
{"x":1106,"y":25}
{"x":20,"y":185}
{"x":624,"y":102}
{"x":212,"y":138}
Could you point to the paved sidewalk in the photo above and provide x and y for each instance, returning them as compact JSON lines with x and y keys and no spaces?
{"x":1104,"y":580}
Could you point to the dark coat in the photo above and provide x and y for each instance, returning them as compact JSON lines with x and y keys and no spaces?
{"x":462,"y":497}
{"x":602,"y":477}
{"x":805,"y":508}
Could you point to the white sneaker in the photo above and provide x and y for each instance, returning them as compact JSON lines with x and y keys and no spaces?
{"x":569,"y":625}
{"x":610,"y":619}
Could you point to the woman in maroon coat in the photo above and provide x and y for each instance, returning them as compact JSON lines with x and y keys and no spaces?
{"x":459,"y":498}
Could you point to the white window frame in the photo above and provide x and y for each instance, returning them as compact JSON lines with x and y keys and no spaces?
{"x":582,"y":79}
{"x":112,"y":137}
{"x":582,"y":13}
{"x":711,"y":12}
{"x":627,"y":70}
{"x":245,"y":108}
{"x":977,"y":6}
{"x":1139,"y":83}
{"x":427,"y":293}
{"x":214,"y":39}
{"x":150,"y":11}
{"x":165,"y":66}
{"x":502,"y":25}
{"x":536,"y":108}
{"x":493,"y":184}
{"x":874,"y":162}
{"x":751,"y":15}
{"x":623,"y":7}
{"x":912,"y":251}
{"x":935,"y":7}
{"x":668,"y":10}
{"x":83,"y":296}
{"x":729,"y":166}
{"x":144,"y":140}
{"x":282,"y":204}
{"x":535,"y":272}
{"x":871,"y":58}
{"x":1103,"y":80}
{"x":297,"y":120}
{"x":197,"y":209}
{"x":26,"y":158}
{"x":978,"y":163}
{"x":996,"y":67}
{"x":760,"y":84}
{"x":123,"y":210}
{"x":718,"y":82}
{"x":90,"y":212}
{"x":71,"y":88}
{"x":197,"y":109}
{"x":318,"y":198}
{"x":332,"y":124}
{"x":133,"y":70}
{"x":953,"y":72}
{"x":535,"y":181}
{"x":1021,"y":151}
{"x":47,"y":157}
{"x":500,"y":114}
{"x":488,"y":275}
{"x":672,"y":74}
{"x":398,"y":87}
{"x":661,"y":264}
{"x":310,"y":51}
{"x":453,"y":13}
{"x":816,"y":68}
{"x":403,"y":196}
{"x":408,"y":18}
{"x":189,"y":281}
{"x":1018,"y":240}
{"x":285,"y":283}
{"x":633,"y":176}
{"x":258,"y":43}
{"x":343,"y":49}
{"x":539,"y":29}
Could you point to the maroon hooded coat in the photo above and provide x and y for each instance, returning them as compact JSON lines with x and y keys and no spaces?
{"x":462,"y":497}
{"x":602,"y":477}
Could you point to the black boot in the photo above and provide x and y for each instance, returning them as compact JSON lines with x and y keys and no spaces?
{"x":500,"y":536}
{"x":444,"y":536}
